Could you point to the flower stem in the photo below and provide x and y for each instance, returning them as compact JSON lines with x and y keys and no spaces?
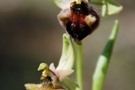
{"x":104,"y":60}
{"x":79,"y":65}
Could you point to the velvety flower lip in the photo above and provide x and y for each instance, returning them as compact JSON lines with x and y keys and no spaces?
{"x":40,"y":87}
{"x":79,"y":20}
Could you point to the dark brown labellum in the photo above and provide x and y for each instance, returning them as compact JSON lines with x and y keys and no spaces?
{"x":79,"y":26}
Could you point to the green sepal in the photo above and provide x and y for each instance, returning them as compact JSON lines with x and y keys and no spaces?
{"x":108,"y":7}
{"x":68,"y":54}
{"x":62,"y":3}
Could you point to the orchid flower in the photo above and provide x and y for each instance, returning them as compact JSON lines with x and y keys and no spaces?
{"x":81,"y":17}
{"x":57,"y":78}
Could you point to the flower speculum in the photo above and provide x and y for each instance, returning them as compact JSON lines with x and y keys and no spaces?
{"x":79,"y":20}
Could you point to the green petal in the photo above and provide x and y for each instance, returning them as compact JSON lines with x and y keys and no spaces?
{"x":108,"y":7}
{"x":42,"y":66}
{"x":68,"y":55}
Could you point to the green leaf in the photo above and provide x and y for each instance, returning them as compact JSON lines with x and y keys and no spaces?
{"x":104,"y":60}
{"x":108,"y":7}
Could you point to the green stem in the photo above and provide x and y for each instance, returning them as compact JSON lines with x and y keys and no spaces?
{"x":79,"y":65}
{"x":104,"y":60}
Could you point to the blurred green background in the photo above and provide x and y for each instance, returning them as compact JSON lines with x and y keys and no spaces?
{"x":30,"y":34}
